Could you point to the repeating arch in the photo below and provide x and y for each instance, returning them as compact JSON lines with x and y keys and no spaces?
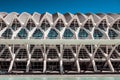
{"x":60,"y":24}
{"x":96,"y":48}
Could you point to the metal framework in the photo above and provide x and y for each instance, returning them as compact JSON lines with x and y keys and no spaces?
{"x":59,"y":43}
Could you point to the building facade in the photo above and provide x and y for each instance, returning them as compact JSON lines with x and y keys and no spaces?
{"x":59,"y":43}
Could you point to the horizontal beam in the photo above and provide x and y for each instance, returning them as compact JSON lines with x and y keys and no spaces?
{"x":60,"y":41}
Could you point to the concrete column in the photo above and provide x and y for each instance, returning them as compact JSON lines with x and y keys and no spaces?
{"x":77,"y":60}
{"x":11,"y":64}
{"x":94,"y":66}
{"x":13,"y":58}
{"x":78,"y":66}
{"x":29,"y":58}
{"x":61,"y":60}
{"x":110,"y":65}
{"x":45,"y":60}
{"x":92,"y":57}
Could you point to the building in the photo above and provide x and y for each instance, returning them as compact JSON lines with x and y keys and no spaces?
{"x":59,"y":43}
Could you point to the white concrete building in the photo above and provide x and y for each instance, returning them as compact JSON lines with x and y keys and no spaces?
{"x":59,"y":43}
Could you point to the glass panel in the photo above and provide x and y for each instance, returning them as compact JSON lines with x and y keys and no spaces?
{"x":16,"y":24}
{"x":52,"y":54}
{"x":7,"y":34}
{"x":67,"y":54}
{"x":116,"y":25}
{"x":2,"y":24}
{"x":103,"y":25}
{"x":60,"y":25}
{"x":30,"y":24}
{"x":5,"y":54}
{"x":37,"y":34}
{"x":88,"y":25}
{"x":37,"y":54}
{"x":97,"y":34}
{"x":68,"y":34}
{"x":36,"y":66}
{"x":82,"y":34}
{"x":22,"y":34}
{"x":112,"y":34}
{"x":74,"y":25}
{"x":22,"y":54}
{"x":45,"y":25}
{"x":52,"y":34}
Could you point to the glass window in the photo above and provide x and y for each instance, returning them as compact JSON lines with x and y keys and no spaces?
{"x":16,"y":24}
{"x":88,"y":25}
{"x":82,"y":34}
{"x":74,"y":25}
{"x":37,"y":34}
{"x":97,"y":34}
{"x":112,"y":34}
{"x":52,"y":34}
{"x":30,"y":24}
{"x":68,"y":34}
{"x":116,"y":25}
{"x":7,"y":34}
{"x":22,"y":34}
{"x":60,"y":25}
{"x":45,"y":25}
{"x":2,"y":24}
{"x":103,"y":25}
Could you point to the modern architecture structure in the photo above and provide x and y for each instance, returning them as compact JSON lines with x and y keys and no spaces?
{"x":59,"y":43}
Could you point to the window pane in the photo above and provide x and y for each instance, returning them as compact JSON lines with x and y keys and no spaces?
{"x":68,"y":34}
{"x":16,"y":24}
{"x":2,"y":24}
{"x":52,"y":34}
{"x":22,"y":34}
{"x":88,"y":25}
{"x":60,"y":25}
{"x":97,"y":34}
{"x":30,"y":24}
{"x":103,"y":25}
{"x":7,"y":34}
{"x":74,"y":25}
{"x":112,"y":34}
{"x":37,"y":34}
{"x":45,"y":25}
{"x":82,"y":34}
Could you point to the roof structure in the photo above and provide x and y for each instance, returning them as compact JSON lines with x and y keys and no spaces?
{"x":46,"y":26}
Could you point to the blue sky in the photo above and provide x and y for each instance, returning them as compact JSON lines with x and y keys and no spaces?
{"x":62,"y":6}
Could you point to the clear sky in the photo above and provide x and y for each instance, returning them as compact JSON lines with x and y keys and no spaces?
{"x":62,"y":6}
